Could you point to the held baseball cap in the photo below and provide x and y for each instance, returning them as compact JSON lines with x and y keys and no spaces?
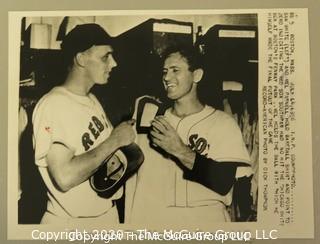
{"x":113,"y":173}
{"x":83,"y":37}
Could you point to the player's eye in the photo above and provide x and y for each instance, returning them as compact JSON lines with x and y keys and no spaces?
{"x":105,"y":57}
{"x":175,"y":70}
{"x":164,"y":72}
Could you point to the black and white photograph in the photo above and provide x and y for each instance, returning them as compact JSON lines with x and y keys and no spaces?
{"x":181,"y":89}
{"x":153,"y":120}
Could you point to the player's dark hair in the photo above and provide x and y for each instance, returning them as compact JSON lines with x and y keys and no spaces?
{"x":190,"y":53}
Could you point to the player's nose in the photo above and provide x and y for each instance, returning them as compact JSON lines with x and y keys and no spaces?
{"x":167,"y":76}
{"x":113,"y":62}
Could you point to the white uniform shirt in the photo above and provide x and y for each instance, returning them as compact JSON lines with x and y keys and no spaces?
{"x":78,"y":122}
{"x":211,"y":133}
{"x":161,"y":191}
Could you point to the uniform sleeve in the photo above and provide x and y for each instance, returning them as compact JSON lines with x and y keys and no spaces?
{"x":227,"y":158}
{"x":48,"y":129}
{"x":216,"y":176}
{"x":228,"y":144}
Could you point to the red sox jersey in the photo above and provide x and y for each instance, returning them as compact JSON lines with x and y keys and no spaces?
{"x":162,"y":193}
{"x":80,"y":124}
{"x":211,"y":133}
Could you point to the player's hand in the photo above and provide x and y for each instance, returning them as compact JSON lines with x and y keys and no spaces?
{"x":124,"y":133}
{"x":165,"y":136}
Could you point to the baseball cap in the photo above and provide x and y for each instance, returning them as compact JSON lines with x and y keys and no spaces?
{"x":106,"y":182}
{"x":84,"y":36}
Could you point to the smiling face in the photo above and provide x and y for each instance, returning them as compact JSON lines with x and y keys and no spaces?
{"x":99,"y":62}
{"x":179,"y":81}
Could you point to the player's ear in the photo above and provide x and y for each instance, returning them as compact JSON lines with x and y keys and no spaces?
{"x":79,"y":59}
{"x":197,"y":75}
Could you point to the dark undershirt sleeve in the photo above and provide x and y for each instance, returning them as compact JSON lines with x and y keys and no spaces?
{"x":217,"y":176}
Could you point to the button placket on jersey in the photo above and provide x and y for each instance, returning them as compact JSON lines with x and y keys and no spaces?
{"x":181,"y":184}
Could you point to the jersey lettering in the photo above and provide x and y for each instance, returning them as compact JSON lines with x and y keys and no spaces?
{"x":98,"y":123}
{"x":192,"y":141}
{"x":93,"y":131}
{"x":198,"y":144}
{"x":86,"y":141}
{"x":95,"y":127}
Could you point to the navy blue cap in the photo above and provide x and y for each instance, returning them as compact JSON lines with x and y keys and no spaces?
{"x":83,"y":37}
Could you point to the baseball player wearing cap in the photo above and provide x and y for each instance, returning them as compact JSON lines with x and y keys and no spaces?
{"x":72,"y":134}
{"x":197,"y":153}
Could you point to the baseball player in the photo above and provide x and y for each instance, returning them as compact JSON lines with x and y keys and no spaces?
{"x":72,"y":134}
{"x":196,"y":154}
